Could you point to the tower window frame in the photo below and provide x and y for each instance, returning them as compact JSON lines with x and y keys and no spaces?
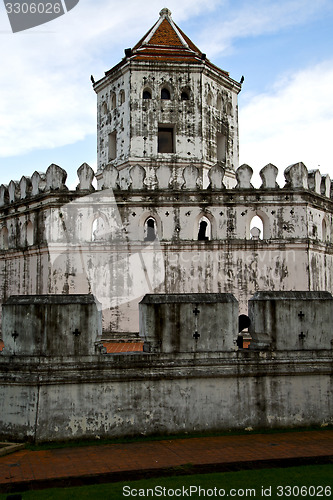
{"x":150,"y":229}
{"x":219,"y":102}
{"x":112,"y":146}
{"x":113,"y":100}
{"x":4,"y":238}
{"x":165,"y":94}
{"x":104,"y":108}
{"x":146,"y":94}
{"x":204,"y":229}
{"x":165,"y":139}
{"x":221,"y":147}
{"x":121,"y":97}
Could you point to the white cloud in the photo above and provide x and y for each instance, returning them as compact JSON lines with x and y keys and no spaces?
{"x":292,"y":123}
{"x":46,"y":95}
{"x":256,"y":17}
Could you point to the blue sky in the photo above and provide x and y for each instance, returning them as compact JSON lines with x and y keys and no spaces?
{"x":283,"y":48}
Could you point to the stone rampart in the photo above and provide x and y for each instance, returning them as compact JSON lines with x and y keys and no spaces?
{"x":51,"y":325}
{"x":306,"y":316}
{"x":189,"y":322}
{"x":66,"y":397}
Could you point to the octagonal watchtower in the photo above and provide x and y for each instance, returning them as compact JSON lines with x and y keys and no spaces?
{"x":166,"y":103}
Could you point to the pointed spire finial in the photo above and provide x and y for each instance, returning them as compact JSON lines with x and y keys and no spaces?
{"x":165,"y":12}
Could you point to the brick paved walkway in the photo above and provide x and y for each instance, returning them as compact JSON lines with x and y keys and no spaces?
{"x":114,"y":462}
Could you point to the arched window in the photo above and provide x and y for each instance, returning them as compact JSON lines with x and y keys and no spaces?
{"x":219,"y":103}
{"x":29,"y":233}
{"x":150,"y":229}
{"x":209,"y":99}
{"x":184,"y":96}
{"x":146,"y":94}
{"x":99,"y":229}
{"x":256,"y":228}
{"x":165,"y":94}
{"x":204,"y":232}
{"x":4,"y":238}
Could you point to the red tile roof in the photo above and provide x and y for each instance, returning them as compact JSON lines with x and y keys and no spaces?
{"x":112,"y":347}
{"x":115,"y":347}
{"x":165,"y":41}
{"x":165,"y":35}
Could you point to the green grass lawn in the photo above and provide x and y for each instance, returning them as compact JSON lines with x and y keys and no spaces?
{"x":316,"y":480}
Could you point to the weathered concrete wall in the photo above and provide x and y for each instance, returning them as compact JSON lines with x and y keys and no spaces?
{"x":305,"y":315}
{"x":144,"y":394}
{"x":189,"y":322}
{"x":51,"y":325}
{"x":71,"y":397}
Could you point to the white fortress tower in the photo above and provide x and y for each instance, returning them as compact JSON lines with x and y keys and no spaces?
{"x":165,"y":103}
{"x":173,"y":213}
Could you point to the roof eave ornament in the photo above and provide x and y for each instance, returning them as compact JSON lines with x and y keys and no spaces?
{"x":165,"y":12}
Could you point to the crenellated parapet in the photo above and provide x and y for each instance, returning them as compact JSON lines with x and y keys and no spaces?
{"x":53,"y":180}
{"x":177,"y":201}
{"x":140,"y":178}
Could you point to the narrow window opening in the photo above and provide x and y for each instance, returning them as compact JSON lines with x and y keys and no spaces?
{"x":209,"y":99}
{"x":4,"y":238}
{"x":204,"y":229}
{"x":165,"y":94}
{"x":104,"y":108}
{"x":112,"y":155}
{"x":219,"y":103}
{"x":98,"y":231}
{"x":30,"y":234}
{"x":184,"y":96}
{"x":165,"y":140}
{"x":121,"y":97}
{"x":325,"y":236}
{"x":150,"y":230}
{"x":221,"y":147}
{"x":113,"y":101}
{"x":146,"y":94}
{"x":256,"y":228}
